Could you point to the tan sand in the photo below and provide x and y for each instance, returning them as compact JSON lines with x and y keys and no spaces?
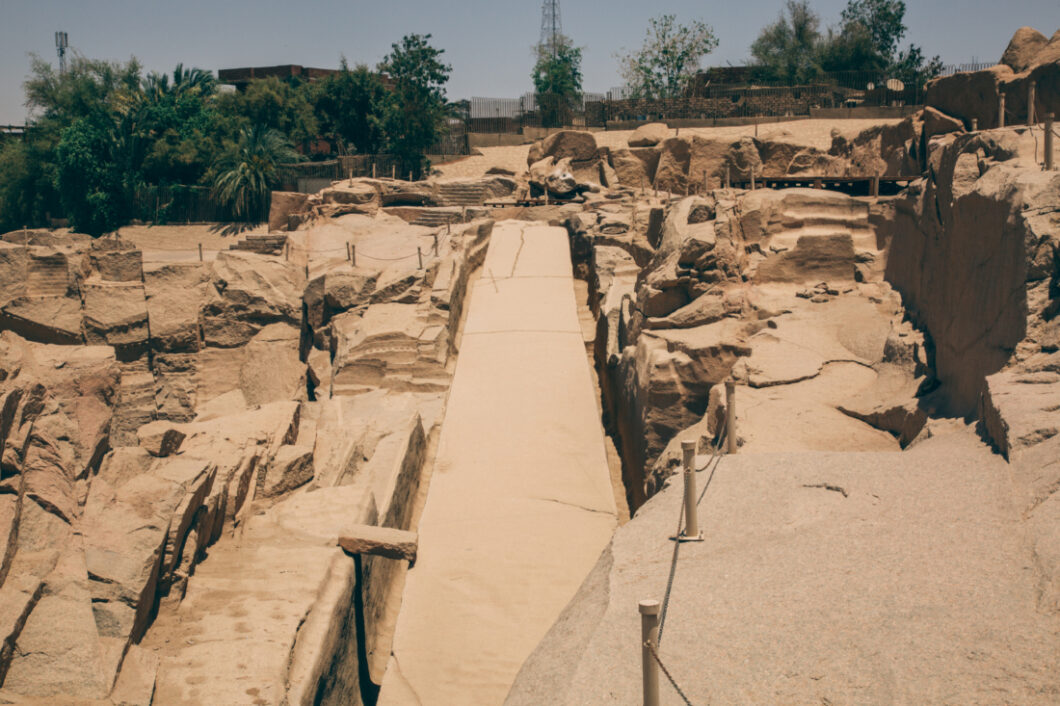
{"x":520,"y":503}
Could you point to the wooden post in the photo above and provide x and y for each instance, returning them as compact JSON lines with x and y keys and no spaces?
{"x":286,"y":251}
{"x":728,"y":177}
{"x":1049,"y":157}
{"x":435,"y":235}
{"x":705,"y":185}
{"x":200,"y":252}
{"x":876,"y":186}
{"x":419,"y":256}
{"x":1001,"y":110}
{"x":353,"y":254}
{"x":730,"y":415}
{"x":752,"y":178}
{"x":373,"y":170}
{"x":649,"y":633}
{"x":1030,"y":103}
{"x":410,"y":176}
{"x":975,"y":124}
{"x":688,"y":454}
{"x":393,"y":171}
{"x":347,"y":250}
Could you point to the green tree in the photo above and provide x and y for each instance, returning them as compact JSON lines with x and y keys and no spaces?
{"x":884,"y":20}
{"x":349,"y":107}
{"x":787,"y":50}
{"x":179,"y":122}
{"x":246,"y":170}
{"x":284,"y":106}
{"x":668,"y":59}
{"x":414,"y":119}
{"x":90,"y":176}
{"x":557,"y":77}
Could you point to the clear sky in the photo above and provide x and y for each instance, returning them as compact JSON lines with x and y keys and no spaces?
{"x":488,"y":42}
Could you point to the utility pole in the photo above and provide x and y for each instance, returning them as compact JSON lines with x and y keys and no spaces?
{"x":551,"y":27}
{"x":62,"y":41}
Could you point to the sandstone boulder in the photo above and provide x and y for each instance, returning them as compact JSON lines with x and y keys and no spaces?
{"x":282,"y":205}
{"x":576,"y":145}
{"x":115,"y":313}
{"x":248,"y":292}
{"x":175,"y":294}
{"x":672,"y":172}
{"x":1023,"y":49}
{"x":649,"y":135}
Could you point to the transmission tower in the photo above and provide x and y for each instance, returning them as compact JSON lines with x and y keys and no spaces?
{"x":61,"y":42}
{"x":551,"y":27}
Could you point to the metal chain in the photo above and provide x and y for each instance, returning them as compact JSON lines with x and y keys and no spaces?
{"x":669,"y":677}
{"x":715,"y":457}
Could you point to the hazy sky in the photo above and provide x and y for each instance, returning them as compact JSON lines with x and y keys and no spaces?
{"x":488,"y":42}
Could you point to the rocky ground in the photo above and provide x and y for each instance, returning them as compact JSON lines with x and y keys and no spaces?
{"x":185,"y":441}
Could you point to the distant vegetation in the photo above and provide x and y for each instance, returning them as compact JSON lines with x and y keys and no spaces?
{"x":102,"y":131}
{"x":794,"y":49}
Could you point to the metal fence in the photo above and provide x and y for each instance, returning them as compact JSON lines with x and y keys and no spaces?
{"x":707,"y":100}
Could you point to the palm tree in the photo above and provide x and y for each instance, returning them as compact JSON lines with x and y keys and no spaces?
{"x":246,"y":170}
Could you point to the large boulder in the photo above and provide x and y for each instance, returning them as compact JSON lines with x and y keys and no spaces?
{"x":672,"y":172}
{"x":248,"y":292}
{"x":649,"y":135}
{"x":1023,"y":49}
{"x":175,"y":293}
{"x":282,"y":205}
{"x":629,"y":169}
{"x":576,"y":145}
{"x":115,"y":313}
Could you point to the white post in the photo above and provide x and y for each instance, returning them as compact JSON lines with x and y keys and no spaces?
{"x":649,"y":632}
{"x":1049,"y":157}
{"x":730,"y":415}
{"x":688,"y":453}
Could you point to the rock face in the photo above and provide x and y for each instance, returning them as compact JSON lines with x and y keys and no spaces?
{"x":970,"y":246}
{"x":147,"y":414}
{"x":905,"y":520}
{"x":1029,"y":58}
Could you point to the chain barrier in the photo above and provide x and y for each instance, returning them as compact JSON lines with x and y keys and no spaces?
{"x":715,"y":458}
{"x":669,"y":677}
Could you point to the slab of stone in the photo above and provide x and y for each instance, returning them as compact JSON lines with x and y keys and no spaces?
{"x":380,"y":541}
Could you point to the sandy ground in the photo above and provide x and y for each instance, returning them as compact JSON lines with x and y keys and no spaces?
{"x":520,"y":503}
{"x":177,"y":243}
{"x":817,"y":133}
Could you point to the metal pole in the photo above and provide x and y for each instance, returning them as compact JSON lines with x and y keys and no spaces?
{"x":1030,"y":103}
{"x":1049,"y":157}
{"x":649,"y":632}
{"x":1001,"y":110}
{"x":688,"y":453}
{"x":730,"y":415}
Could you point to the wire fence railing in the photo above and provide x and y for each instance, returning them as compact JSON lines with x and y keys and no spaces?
{"x":714,"y":95}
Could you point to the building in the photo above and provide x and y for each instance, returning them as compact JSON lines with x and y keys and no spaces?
{"x":240,"y":78}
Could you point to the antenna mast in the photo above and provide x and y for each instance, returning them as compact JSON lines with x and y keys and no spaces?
{"x":551,"y":26}
{"x":61,"y":42}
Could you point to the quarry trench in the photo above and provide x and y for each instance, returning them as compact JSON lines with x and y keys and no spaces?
{"x":510,"y":417}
